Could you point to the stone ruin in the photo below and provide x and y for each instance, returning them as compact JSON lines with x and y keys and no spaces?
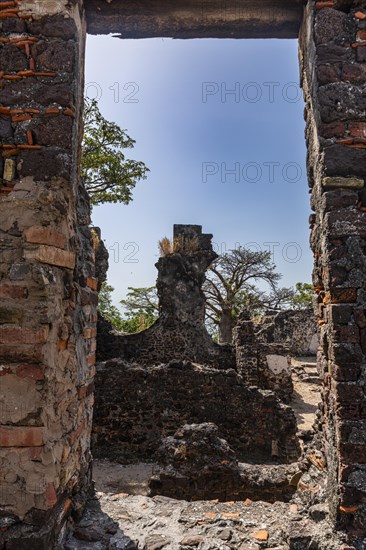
{"x":47,"y":275}
{"x":214,"y":419}
{"x":180,"y":331}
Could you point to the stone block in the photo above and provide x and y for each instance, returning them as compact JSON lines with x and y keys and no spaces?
{"x":11,"y":315}
{"x":92,"y":283}
{"x":330,"y":25}
{"x":340,"y":296}
{"x":340,"y":160}
{"x":45,"y":235}
{"x":12,"y":59}
{"x":345,"y":223}
{"x":45,"y":164}
{"x":354,"y":183}
{"x":56,"y":131}
{"x":354,"y":72}
{"x":55,"y":26}
{"x":30,"y":91}
{"x":28,"y":353}
{"x":54,"y":55}
{"x":52,"y":256}
{"x":9,"y":170}
{"x":361,"y":54}
{"x":6,"y":130}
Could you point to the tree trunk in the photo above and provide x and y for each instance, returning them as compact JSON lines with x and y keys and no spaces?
{"x":226,"y":327}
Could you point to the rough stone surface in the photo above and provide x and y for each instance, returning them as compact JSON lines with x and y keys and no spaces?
{"x":213,"y":525}
{"x":198,"y":465}
{"x":296,"y":330}
{"x":46,"y":375}
{"x":130,"y":420}
{"x":337,"y":239}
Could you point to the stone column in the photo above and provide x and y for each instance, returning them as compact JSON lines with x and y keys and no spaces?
{"x":333,"y":55}
{"x":47,"y":287}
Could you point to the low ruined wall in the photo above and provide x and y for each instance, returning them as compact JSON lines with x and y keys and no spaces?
{"x":297,"y":330}
{"x":135,"y":407}
{"x":266,"y":366}
{"x":162,"y":343}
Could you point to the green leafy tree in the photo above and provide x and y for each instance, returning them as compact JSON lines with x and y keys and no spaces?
{"x":229,"y":286}
{"x":142,"y":309}
{"x":107,"y":309}
{"x":303,"y":296}
{"x":140,"y":305}
{"x":108,"y":175}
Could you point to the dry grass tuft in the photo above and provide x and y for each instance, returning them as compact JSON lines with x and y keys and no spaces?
{"x":180,"y":245}
{"x":165,"y":246}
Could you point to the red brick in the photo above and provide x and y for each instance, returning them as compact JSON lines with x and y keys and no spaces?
{"x":61,"y":345}
{"x":45,"y":235}
{"x":91,"y":359}
{"x":30,"y":371}
{"x":50,"y":495}
{"x":90,"y":388}
{"x":321,"y":5}
{"x":12,"y":291}
{"x":87,"y":333}
{"x":27,"y":353}
{"x":357,"y":129}
{"x":82,"y":392}
{"x":76,"y":434}
{"x":19,"y":335}
{"x":334,"y":129}
{"x":340,"y":295}
{"x":52,"y":256}
{"x":360,"y":15}
{"x":92,"y":283}
{"x":21,"y":436}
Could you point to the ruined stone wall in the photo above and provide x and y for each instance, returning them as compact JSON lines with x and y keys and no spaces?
{"x":297,"y":330}
{"x":266,"y":366}
{"x":333,"y":56}
{"x":47,"y":285}
{"x":180,"y":331}
{"x":130,"y":418}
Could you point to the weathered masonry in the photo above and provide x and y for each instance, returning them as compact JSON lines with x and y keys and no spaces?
{"x":47,"y":284}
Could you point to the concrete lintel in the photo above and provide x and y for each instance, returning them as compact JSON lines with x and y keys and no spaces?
{"x":195,"y":18}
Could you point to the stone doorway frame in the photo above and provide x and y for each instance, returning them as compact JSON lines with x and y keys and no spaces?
{"x":48,"y":288}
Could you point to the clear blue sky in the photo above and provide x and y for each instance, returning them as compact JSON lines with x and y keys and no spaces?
{"x":231,"y":162}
